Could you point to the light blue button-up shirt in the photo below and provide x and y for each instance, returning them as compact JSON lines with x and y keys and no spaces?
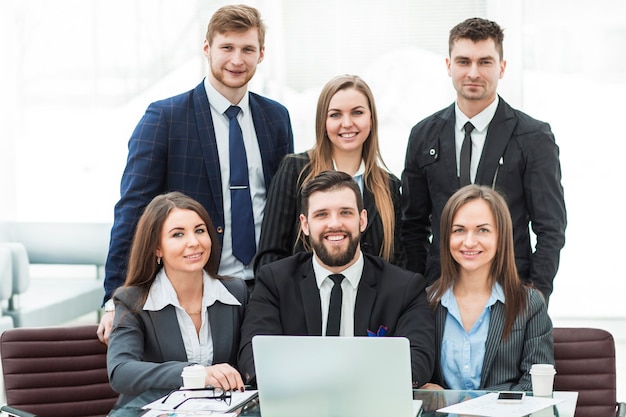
{"x":463,"y":353}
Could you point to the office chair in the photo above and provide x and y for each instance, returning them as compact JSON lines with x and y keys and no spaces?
{"x":55,"y":372}
{"x":585,"y":362}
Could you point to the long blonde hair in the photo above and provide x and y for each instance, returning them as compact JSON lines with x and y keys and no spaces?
{"x":376,"y":177}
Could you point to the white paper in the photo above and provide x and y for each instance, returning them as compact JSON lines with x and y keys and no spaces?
{"x":198,"y":405}
{"x":488,"y":406}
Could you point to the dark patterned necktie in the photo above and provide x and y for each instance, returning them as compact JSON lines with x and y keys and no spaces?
{"x":466,"y":156}
{"x":242,"y":219}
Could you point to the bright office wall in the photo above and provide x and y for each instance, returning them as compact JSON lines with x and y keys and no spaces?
{"x":77,"y":75}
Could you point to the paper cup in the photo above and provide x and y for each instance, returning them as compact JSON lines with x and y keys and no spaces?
{"x":542,"y":377}
{"x":193,"y":376}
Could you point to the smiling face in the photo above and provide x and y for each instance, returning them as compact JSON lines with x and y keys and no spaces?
{"x":348,"y":121}
{"x":334,"y":226}
{"x":474,"y":238}
{"x":185,"y":244}
{"x":475,"y":69}
{"x":233,"y":58}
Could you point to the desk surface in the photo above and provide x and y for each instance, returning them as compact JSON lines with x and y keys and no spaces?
{"x":432,"y":400}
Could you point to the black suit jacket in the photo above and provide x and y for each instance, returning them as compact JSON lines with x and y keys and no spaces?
{"x":146,"y":350}
{"x":286,"y":301}
{"x":279,"y":232}
{"x":520,"y":159}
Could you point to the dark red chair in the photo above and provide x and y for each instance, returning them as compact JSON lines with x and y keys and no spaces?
{"x":55,"y":372}
{"x":585,"y":362}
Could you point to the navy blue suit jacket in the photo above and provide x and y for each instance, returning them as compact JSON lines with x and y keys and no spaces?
{"x":174,"y":148}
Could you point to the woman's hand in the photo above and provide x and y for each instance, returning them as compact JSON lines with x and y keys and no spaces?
{"x":431,"y":386}
{"x":223,"y":376}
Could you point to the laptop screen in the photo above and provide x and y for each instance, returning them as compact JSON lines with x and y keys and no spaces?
{"x":333,"y":376}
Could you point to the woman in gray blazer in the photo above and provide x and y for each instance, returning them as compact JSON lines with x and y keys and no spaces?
{"x":490,"y":327}
{"x":174,"y":311}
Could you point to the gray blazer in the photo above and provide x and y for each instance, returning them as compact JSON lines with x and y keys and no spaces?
{"x":507,"y":362}
{"x":146,"y":350}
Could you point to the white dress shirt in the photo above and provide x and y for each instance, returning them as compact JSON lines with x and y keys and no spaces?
{"x":199,"y":347}
{"x":479,"y":134}
{"x":349,"y":287}
{"x":229,"y":265}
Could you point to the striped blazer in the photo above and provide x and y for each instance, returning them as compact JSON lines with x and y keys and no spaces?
{"x":507,"y":362}
{"x":279,"y":231}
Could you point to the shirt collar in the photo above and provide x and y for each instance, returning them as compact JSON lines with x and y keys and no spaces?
{"x":480,"y":121}
{"x":162,"y":293}
{"x":497,"y":294}
{"x":352,"y":274}
{"x":220,"y":104}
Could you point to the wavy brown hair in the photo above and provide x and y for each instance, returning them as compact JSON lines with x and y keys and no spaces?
{"x":376,"y":176}
{"x":503,"y":269}
{"x":142,"y":264}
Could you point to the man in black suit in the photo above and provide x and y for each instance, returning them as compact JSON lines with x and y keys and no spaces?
{"x":506,"y":149}
{"x":296,"y":295}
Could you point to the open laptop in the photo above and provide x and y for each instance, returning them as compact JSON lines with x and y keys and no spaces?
{"x":312,"y":376}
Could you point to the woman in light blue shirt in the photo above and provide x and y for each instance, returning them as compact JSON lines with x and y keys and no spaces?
{"x":174,"y":311}
{"x":490,"y":326}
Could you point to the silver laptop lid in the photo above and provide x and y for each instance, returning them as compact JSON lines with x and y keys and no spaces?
{"x":333,"y":376}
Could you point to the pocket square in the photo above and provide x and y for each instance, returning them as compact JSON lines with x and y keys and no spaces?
{"x":382,"y":331}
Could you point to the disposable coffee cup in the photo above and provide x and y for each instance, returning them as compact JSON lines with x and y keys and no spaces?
{"x":193,"y":376}
{"x":542,"y":377}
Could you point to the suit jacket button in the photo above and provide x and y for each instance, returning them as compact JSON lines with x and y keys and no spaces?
{"x":432,"y":152}
{"x":219,"y":230}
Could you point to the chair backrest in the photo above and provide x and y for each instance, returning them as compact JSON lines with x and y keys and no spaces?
{"x":56,"y":371}
{"x":585,"y":362}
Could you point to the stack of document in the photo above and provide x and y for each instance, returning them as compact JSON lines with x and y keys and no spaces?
{"x":185,"y":403}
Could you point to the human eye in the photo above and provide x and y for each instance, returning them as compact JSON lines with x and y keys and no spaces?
{"x":227,"y":47}
{"x":334,"y":115}
{"x":320,"y":215}
{"x":457,"y":230}
{"x":200,"y":230}
{"x":358,"y":112}
{"x":177,"y":234}
{"x":249,"y":49}
{"x":347,"y":213}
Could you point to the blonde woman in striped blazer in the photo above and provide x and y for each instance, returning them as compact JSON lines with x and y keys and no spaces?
{"x":490,"y":327}
{"x":346,"y":131}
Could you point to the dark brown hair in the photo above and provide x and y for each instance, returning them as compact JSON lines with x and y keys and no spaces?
{"x":330,"y":181}
{"x":477,"y":29}
{"x":503,"y":269}
{"x":142,"y":264}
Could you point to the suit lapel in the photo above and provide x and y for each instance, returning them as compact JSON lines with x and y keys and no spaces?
{"x":220,"y":317}
{"x":206,"y":135}
{"x":498,"y":134}
{"x":365,"y":298}
{"x":168,"y":334}
{"x":447,"y":146}
{"x":263,"y":136}
{"x":311,"y":300}
{"x":494,"y":338}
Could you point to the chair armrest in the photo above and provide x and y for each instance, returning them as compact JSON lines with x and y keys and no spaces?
{"x":15,"y":412}
{"x":621,"y":410}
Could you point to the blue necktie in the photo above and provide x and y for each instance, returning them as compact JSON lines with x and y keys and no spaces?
{"x":242,"y":219}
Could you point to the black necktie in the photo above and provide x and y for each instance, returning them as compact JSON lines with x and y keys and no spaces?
{"x":466,"y":156}
{"x":242,"y":219}
{"x":334,"y":308}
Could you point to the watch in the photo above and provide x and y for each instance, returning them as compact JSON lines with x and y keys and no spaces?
{"x":109,"y":305}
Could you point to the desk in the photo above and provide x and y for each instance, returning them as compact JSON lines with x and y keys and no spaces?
{"x":433,"y":399}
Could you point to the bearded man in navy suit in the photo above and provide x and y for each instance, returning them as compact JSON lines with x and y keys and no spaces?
{"x":294,"y":295}
{"x":182,"y":144}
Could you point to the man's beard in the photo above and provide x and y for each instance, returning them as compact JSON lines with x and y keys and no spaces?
{"x":338,"y":258}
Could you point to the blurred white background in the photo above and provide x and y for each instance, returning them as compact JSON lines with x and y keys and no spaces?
{"x":77,"y":75}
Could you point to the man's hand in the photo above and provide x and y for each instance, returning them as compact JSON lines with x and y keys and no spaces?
{"x":106,"y":324}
